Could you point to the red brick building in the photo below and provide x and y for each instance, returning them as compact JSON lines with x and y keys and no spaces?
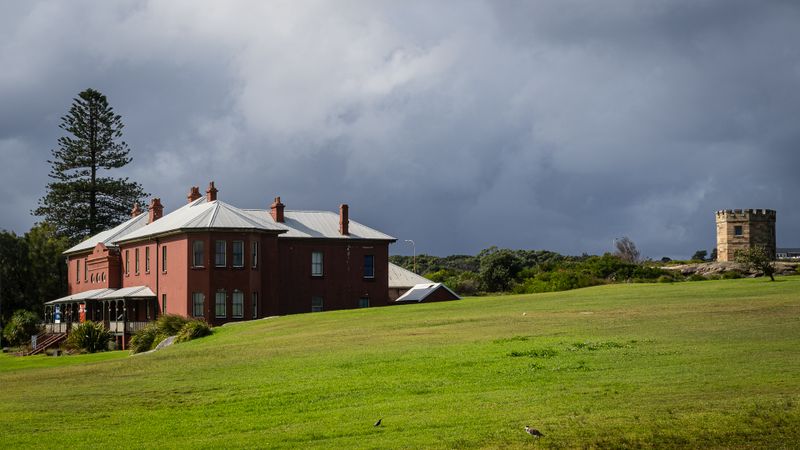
{"x":212,"y":260}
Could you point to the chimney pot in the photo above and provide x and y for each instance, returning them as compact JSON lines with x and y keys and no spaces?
{"x":194,"y":194}
{"x":136,"y":210}
{"x":276,"y":210}
{"x":344,"y":219}
{"x":211,"y":192}
{"x":156,"y":210}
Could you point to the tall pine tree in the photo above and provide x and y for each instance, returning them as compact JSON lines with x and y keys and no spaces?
{"x":83,"y":199}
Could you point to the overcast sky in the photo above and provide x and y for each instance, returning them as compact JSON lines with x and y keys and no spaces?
{"x":555,"y":125}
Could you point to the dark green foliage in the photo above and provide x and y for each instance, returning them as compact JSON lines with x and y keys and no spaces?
{"x":171,"y":324}
{"x":696,"y":277}
{"x":144,"y":339}
{"x":32,"y":269}
{"x":193,"y":330}
{"x":756,"y":258}
{"x":89,"y":337}
{"x":498,"y":268}
{"x":21,"y":327}
{"x":699,"y":255}
{"x":83,"y":199}
{"x":731,"y":275}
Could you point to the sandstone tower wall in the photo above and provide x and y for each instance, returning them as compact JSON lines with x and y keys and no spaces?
{"x":739,"y":229}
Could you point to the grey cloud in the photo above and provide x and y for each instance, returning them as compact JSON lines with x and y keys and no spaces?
{"x":556,"y":125}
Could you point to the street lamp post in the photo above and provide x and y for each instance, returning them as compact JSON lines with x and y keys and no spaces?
{"x":414,"y":249}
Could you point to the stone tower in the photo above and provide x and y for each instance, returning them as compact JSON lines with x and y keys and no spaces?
{"x":739,"y":229}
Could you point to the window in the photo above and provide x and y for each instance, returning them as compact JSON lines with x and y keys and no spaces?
{"x":220,"y":304}
{"x":136,"y":261}
{"x":92,"y":278}
{"x":85,"y":269}
{"x":316,"y":304}
{"x":164,"y":258}
{"x":163,"y":303}
{"x":147,"y":259}
{"x":255,"y":305}
{"x":127,"y":261}
{"x":737,"y":230}
{"x":197,"y":254}
{"x":316,"y":264}
{"x":237,"y":304}
{"x":238,"y":253}
{"x":369,"y":266}
{"x":363,"y":302}
{"x":198,"y":304}
{"x":219,"y":253}
{"x":147,"y":309}
{"x":77,"y":270}
{"x":255,"y":254}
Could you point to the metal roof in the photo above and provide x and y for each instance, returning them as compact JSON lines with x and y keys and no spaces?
{"x":200,"y":215}
{"x":108,"y":237}
{"x":402,"y":278}
{"x":421,"y":291}
{"x":106,"y":294}
{"x":318,"y":224}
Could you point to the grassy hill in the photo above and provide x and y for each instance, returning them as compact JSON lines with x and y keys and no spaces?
{"x":711,"y":364}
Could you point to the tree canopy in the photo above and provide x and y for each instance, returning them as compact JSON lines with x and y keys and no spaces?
{"x":83,"y":199}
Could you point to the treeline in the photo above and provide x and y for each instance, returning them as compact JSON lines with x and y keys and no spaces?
{"x":32,"y":269}
{"x":532,"y":271}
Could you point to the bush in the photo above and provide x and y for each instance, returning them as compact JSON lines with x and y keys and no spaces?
{"x":193,"y":330}
{"x":143,"y":340}
{"x":731,"y":275}
{"x":697,"y":277}
{"x":171,"y":324}
{"x":21,"y":327}
{"x":89,"y":336}
{"x":665,"y":279}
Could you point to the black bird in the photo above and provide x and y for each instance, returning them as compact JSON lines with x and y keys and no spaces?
{"x":378,"y":423}
{"x":533,"y":432}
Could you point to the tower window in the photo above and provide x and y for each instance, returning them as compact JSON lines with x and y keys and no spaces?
{"x":737,"y":230}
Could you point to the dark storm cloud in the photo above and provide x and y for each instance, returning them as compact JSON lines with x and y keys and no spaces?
{"x":557,"y":125}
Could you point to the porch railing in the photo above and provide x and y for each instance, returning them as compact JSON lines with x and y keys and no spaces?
{"x":127,"y":327}
{"x":54,"y":328}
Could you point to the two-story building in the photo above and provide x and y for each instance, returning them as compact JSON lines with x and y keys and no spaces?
{"x":215,"y":261}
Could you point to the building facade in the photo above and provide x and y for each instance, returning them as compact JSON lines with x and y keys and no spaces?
{"x":739,"y":229}
{"x":214,"y":261}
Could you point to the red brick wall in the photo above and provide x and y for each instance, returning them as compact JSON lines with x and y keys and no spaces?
{"x":342,"y":283}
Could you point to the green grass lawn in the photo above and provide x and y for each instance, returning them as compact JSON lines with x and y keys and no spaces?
{"x":703,"y":364}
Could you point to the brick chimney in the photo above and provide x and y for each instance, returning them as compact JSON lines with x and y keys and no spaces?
{"x":276,"y":210}
{"x":156,"y":210}
{"x":136,"y":210}
{"x":211,"y":192}
{"x":344,"y":219}
{"x":194,"y":194}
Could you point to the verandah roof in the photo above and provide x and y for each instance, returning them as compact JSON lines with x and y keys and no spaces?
{"x":106,"y":294}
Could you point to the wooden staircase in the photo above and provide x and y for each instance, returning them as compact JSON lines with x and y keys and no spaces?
{"x":45,"y":341}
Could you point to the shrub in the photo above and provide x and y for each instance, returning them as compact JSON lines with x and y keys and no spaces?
{"x":193,"y":330}
{"x":731,"y":275}
{"x":697,"y":277}
{"x":665,"y":279}
{"x":144,"y":339}
{"x":171,"y":324}
{"x":89,"y":336}
{"x":21,"y":327}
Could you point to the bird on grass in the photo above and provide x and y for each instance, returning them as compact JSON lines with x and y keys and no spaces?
{"x":378,"y":423}
{"x":533,"y":432}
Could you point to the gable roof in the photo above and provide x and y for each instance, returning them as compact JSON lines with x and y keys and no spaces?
{"x":421,"y":291}
{"x":108,"y":237}
{"x":403,"y":278}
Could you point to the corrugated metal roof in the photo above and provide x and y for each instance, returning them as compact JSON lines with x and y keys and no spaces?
{"x":201,"y":214}
{"x":204,"y":215}
{"x":108,"y":237}
{"x":421,"y":291}
{"x":106,"y":294}
{"x":402,"y":278}
{"x":318,"y":224}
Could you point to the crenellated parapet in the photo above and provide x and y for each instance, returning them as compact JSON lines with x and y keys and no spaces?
{"x":738,"y":229}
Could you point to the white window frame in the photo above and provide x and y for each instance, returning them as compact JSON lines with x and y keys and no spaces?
{"x":217,"y":253}
{"x":317,"y":264}
{"x":198,"y":296}
{"x":317,"y":308}
{"x":201,"y":253}
{"x":255,"y":304}
{"x":221,"y":295}
{"x":237,"y":294}
{"x":372,"y":267}
{"x":254,"y":254}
